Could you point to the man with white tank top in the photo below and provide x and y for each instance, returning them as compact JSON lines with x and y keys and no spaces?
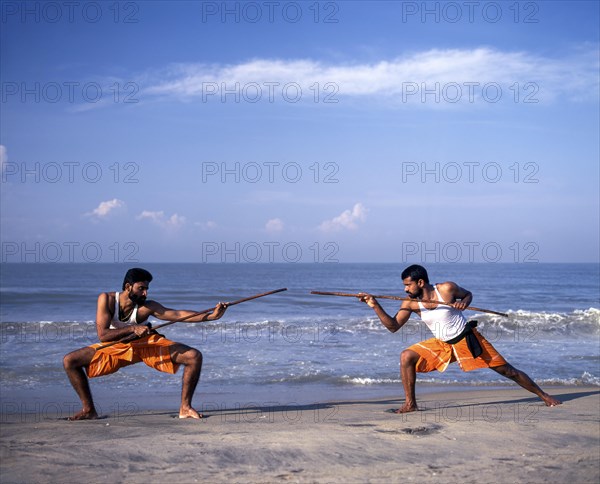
{"x":121,"y":315}
{"x":455,"y":339}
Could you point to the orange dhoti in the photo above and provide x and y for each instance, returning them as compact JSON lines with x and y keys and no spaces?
{"x":154,"y":350}
{"x":436,"y":354}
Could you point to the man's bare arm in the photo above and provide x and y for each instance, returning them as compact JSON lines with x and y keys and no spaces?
{"x":392,"y":324}
{"x":167,"y":314}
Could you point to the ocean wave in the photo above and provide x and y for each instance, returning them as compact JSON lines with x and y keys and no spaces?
{"x":311,"y":376}
{"x":586,"y":379}
{"x":336,"y":331}
{"x":578,"y":321}
{"x":583,"y":321}
{"x":362,"y":381}
{"x":369,"y":381}
{"x":48,"y":332}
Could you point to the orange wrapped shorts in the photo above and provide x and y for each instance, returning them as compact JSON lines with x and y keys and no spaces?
{"x":152,"y":350}
{"x":436,"y":354}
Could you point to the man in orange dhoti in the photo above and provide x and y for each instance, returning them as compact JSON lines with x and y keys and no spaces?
{"x":455,"y":338}
{"x":124,"y":314}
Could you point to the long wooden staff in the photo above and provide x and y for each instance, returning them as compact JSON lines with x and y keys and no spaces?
{"x":398,"y":298}
{"x":190,"y":316}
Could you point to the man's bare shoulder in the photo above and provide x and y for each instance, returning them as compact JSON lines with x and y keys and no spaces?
{"x":106,"y":302}
{"x":448,"y":290}
{"x":447,"y":286}
{"x":410,"y":304}
{"x":105,"y":309}
{"x":106,"y":297}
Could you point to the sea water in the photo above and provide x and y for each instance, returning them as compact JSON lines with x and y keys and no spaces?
{"x":292,"y":346}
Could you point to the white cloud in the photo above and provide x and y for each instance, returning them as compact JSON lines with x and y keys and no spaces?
{"x":153,"y":216}
{"x":274,"y":225}
{"x":574,"y":76}
{"x":102,"y":210}
{"x":210,"y":225}
{"x":173,"y":222}
{"x":347,"y":220}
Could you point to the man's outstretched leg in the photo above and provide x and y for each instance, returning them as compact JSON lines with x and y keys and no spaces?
{"x":527,"y":383}
{"x":408,"y":372}
{"x":191,"y":359}
{"x":74,"y":363}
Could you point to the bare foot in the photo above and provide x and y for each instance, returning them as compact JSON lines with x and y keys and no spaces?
{"x":189,"y":413}
{"x":550,"y":401}
{"x":406,"y":408}
{"x":84,"y":415}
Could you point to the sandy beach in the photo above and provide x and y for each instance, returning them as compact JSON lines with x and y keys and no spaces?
{"x":479,"y":435}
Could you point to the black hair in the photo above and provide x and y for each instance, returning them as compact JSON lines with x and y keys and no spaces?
{"x":136,"y":275}
{"x":415,"y":272}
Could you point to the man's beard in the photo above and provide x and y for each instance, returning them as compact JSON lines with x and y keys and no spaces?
{"x":139,"y":300}
{"x":416,"y":295}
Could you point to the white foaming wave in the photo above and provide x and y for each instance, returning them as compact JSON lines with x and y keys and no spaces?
{"x":585,"y":379}
{"x":368,"y":381}
{"x":579,"y":320}
{"x":589,"y":313}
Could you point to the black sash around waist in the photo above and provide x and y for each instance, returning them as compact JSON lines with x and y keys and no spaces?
{"x":472,"y":341}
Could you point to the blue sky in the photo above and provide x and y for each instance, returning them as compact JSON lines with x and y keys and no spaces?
{"x":300,"y":131}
